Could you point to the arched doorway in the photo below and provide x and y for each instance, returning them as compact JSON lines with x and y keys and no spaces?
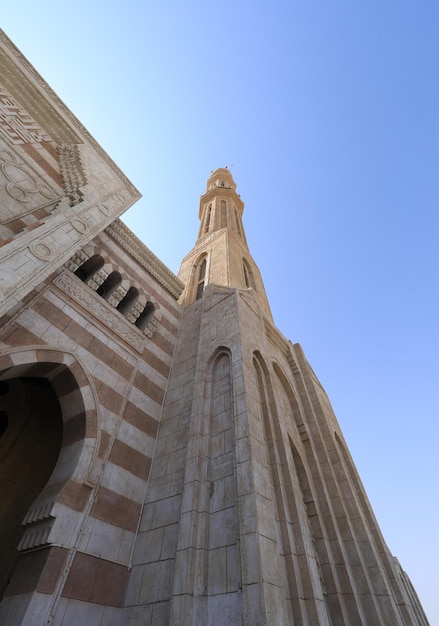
{"x":64,"y":389}
{"x":30,"y":443}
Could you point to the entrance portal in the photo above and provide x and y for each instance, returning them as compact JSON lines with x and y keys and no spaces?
{"x":31,"y":429}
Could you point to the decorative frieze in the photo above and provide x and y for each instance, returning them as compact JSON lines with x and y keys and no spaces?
{"x":42,"y":251}
{"x":22,"y":190}
{"x":147,"y":259}
{"x":100,"y":309}
{"x":16,"y":124}
{"x":72,"y":171}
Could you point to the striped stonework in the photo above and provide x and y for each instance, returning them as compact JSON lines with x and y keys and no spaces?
{"x":109,"y":378}
{"x":167,"y":457}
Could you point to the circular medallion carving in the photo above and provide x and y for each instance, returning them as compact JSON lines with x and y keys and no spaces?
{"x":104,"y":209}
{"x":42,"y":251}
{"x":21,"y":182}
{"x":79,"y":225}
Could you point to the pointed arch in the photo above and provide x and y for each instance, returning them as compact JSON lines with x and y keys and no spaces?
{"x":90,"y":267}
{"x":29,"y":448}
{"x":249,"y":278}
{"x":198,"y":277}
{"x":223,"y":505}
{"x":77,"y":462}
{"x":110,"y":284}
{"x":128,"y":301}
{"x":146,"y":316}
{"x":274,"y":481}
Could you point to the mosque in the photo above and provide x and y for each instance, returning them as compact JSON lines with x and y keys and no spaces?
{"x":167,"y":456}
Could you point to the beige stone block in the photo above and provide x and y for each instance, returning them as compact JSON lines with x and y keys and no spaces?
{"x":217,"y":568}
{"x":218,"y":493}
{"x":183,"y":580}
{"x":13,"y":608}
{"x":223,"y":528}
{"x":134,"y":588}
{"x":71,"y":612}
{"x":148,"y":546}
{"x":136,"y":439}
{"x":169,"y":544}
{"x":156,"y":582}
{"x":225,"y":609}
{"x":123,"y":482}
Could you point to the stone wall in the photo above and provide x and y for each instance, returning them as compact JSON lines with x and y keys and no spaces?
{"x":109,"y":377}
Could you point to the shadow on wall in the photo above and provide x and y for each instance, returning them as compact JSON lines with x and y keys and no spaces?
{"x":31,"y":430}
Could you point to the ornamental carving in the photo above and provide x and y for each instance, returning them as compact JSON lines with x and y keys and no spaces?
{"x":79,"y":225}
{"x":72,"y":171}
{"x":100,"y":309}
{"x":22,"y":190}
{"x":42,"y":251}
{"x":16,"y":124}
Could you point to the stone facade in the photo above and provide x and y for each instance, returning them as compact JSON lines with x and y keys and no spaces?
{"x":166,"y":455}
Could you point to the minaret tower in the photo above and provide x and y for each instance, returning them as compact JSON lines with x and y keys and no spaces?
{"x":221,"y":256}
{"x":167,"y":456}
{"x":254,"y":514}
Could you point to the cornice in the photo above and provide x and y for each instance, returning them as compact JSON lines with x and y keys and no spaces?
{"x":221,"y":192}
{"x":118,"y":231}
{"x":22,"y":80}
{"x":206,"y":240}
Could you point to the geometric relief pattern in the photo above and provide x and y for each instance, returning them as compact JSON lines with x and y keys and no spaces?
{"x":95,"y":305}
{"x":22,"y":191}
{"x":72,"y":171}
{"x":17,"y":125}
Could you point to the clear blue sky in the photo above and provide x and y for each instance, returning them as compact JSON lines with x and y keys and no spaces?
{"x":327,"y":112}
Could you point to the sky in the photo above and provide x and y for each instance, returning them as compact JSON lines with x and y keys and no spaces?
{"x":327,"y":114}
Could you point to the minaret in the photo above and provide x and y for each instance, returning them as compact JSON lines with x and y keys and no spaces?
{"x":254,"y":513}
{"x":221,"y":256}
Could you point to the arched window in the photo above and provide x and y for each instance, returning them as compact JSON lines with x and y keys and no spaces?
{"x":111,"y":283}
{"x":248,"y":275}
{"x":146,"y":316}
{"x":200,"y":274}
{"x":208,"y":216}
{"x":238,"y":223}
{"x":223,"y":214}
{"x":89,"y":267}
{"x":128,"y":301}
{"x":246,"y":278}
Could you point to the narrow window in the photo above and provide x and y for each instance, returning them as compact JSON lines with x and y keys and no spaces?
{"x":238,"y":223}
{"x":89,"y":267}
{"x":146,"y":316}
{"x":200,"y":275}
{"x":111,"y":283}
{"x":209,"y":214}
{"x":248,"y":275}
{"x":128,"y":301}
{"x":246,"y":279}
{"x":223,"y":214}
